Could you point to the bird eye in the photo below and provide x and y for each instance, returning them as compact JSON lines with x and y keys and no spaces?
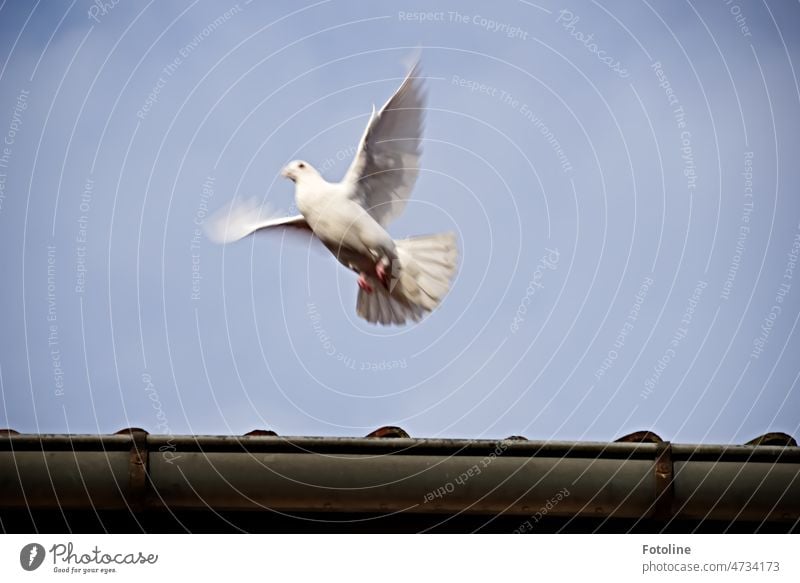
{"x":301,"y":165}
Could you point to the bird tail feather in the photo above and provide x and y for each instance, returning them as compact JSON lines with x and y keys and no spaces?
{"x":426,"y":266}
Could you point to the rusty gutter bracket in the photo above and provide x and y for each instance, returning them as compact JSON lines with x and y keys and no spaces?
{"x":664,"y":472}
{"x":138,"y":467}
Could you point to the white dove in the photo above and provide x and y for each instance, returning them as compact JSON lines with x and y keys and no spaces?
{"x":398,"y":280}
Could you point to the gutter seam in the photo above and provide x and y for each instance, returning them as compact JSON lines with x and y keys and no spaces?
{"x":664,"y":472}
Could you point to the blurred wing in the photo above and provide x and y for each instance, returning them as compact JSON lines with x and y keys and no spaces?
{"x":244,"y":217}
{"x":386,"y":164}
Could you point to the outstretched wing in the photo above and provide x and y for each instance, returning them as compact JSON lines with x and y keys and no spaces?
{"x":386,"y":163}
{"x":244,"y":217}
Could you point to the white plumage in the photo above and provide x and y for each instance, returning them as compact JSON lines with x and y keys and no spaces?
{"x":398,"y":280}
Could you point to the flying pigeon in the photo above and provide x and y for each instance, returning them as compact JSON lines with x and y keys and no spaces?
{"x":398,"y":280}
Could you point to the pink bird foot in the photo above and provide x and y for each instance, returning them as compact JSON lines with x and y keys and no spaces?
{"x":364,"y":284}
{"x":382,"y":274}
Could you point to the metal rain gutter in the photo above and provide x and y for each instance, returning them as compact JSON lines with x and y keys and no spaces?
{"x":137,"y":471}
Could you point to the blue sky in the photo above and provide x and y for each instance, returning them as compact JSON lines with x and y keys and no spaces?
{"x":622,"y":177}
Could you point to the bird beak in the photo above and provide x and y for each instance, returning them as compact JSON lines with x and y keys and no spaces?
{"x":287,"y":174}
